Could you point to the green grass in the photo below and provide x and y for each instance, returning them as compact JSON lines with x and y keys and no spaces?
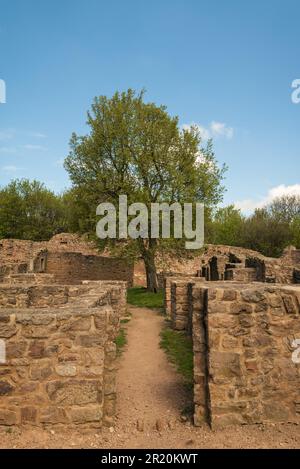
{"x":179,"y":349}
{"x":139,"y":296}
{"x":121,"y":340}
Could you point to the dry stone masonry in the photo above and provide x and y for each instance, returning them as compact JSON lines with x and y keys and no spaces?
{"x":68,"y":258}
{"x":60,"y":310}
{"x":60,"y":353}
{"x":243,"y":341}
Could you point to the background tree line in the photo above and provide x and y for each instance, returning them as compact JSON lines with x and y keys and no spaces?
{"x":28,"y":210}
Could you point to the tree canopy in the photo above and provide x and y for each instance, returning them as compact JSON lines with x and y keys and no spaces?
{"x":137,"y":149}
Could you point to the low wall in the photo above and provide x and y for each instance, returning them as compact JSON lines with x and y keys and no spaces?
{"x":71,"y":268}
{"x":176,"y":299}
{"x":168,"y":279}
{"x":180,"y":312}
{"x":252,"y":377}
{"x":243,"y":341}
{"x":60,"y":362}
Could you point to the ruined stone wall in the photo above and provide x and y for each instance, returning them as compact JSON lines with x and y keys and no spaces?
{"x":179,"y":290}
{"x":167,"y":281}
{"x":60,"y":361}
{"x":69,"y":257}
{"x":72,"y":268}
{"x":29,"y":278}
{"x":197,"y":296}
{"x":243,"y":339}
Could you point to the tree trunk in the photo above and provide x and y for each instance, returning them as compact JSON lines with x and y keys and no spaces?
{"x":148,"y":255}
{"x":151,"y":274}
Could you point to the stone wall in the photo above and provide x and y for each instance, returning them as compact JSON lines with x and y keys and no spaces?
{"x":67,"y":256}
{"x":218,"y":263}
{"x":71,"y":268}
{"x":178,"y":289}
{"x":60,"y":354}
{"x":168,"y":279}
{"x":243,"y":344}
{"x":252,"y":377}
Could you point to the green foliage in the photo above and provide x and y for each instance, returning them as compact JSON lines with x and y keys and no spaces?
{"x":295,"y":232}
{"x":28,"y":210}
{"x":137,"y":149}
{"x":285,"y":208}
{"x":264,"y":233}
{"x":268,"y":230}
{"x":227,"y":226}
{"x":179,"y":349}
{"x":139,"y":296}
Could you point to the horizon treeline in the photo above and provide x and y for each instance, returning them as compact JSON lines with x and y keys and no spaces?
{"x":29,"y":210}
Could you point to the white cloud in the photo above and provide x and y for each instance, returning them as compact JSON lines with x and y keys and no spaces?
{"x":35,"y":134}
{"x":8,"y":134}
{"x":219,"y":129}
{"x":10,"y":169}
{"x":214,"y":130}
{"x":33,"y":147}
{"x":249,"y":205}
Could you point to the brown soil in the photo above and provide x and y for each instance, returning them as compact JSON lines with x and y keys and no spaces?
{"x":151,"y":398}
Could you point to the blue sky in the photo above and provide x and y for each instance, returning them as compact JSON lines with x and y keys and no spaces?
{"x":225,"y":65}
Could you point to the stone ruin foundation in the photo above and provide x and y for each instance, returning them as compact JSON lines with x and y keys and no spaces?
{"x":60,"y":352}
{"x":60,"y":310}
{"x":243,"y":341}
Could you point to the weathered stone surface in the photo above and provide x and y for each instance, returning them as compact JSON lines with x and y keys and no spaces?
{"x":229,"y":295}
{"x":81,"y":324}
{"x":67,"y":369}
{"x":276,"y":411}
{"x":90,"y":340}
{"x":225,"y":364}
{"x":7,"y":330}
{"x":290,"y":304}
{"x":53,"y":415}
{"x":86,"y":414}
{"x":8,"y":417}
{"x":253,"y":296}
{"x":239,"y":308}
{"x":15,"y":349}
{"x":75,"y":392}
{"x":41,"y":370}
{"x":28,"y":415}
{"x":5,"y":388}
{"x":37,"y":349}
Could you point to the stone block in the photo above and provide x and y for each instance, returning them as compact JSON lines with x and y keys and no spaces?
{"x":75,"y":392}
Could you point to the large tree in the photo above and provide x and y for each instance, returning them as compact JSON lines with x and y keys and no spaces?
{"x":137,"y":149}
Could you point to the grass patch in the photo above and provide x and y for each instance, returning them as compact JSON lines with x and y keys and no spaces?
{"x":179,"y":349}
{"x":121,"y":341}
{"x":139,"y":296}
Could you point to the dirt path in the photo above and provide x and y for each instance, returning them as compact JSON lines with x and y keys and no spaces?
{"x":150,"y":391}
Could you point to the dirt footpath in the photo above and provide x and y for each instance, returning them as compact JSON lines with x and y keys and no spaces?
{"x":150,"y":391}
{"x":151,"y":397}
